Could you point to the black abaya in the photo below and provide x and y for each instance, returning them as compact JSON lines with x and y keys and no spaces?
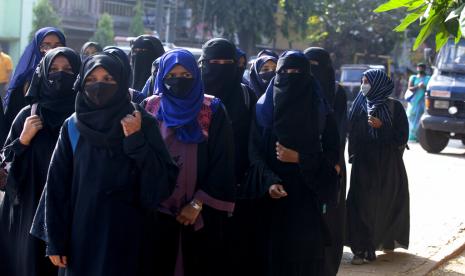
{"x":26,"y":180}
{"x":203,"y":250}
{"x":335,"y":217}
{"x":293,"y":234}
{"x":98,"y":215}
{"x":378,"y":202}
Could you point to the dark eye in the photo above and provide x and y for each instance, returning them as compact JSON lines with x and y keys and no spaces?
{"x":108,"y":78}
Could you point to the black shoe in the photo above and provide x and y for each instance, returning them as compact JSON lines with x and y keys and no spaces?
{"x":370,"y":256}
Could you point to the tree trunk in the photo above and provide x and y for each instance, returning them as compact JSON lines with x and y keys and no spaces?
{"x":247,"y":41}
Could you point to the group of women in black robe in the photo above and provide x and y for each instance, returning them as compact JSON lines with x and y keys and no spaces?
{"x":213,"y":173}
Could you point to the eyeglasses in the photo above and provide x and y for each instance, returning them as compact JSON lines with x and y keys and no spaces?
{"x":49,"y":46}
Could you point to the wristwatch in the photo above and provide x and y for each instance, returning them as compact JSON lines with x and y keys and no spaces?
{"x":196,"y":205}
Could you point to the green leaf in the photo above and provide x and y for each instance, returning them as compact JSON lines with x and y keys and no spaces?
{"x":393,"y":4}
{"x":415,"y":5}
{"x":458,"y":36}
{"x":442,"y":36}
{"x":462,"y":21}
{"x":455,"y":13}
{"x":409,"y":19}
{"x":426,"y":30}
{"x":452,"y":26}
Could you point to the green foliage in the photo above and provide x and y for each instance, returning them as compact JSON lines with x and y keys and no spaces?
{"x":104,"y":34}
{"x":443,"y":18}
{"x":342,"y":27}
{"x":44,"y":15}
{"x":137,"y":24}
{"x":250,"y":19}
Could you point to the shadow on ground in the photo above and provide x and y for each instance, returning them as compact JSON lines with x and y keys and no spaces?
{"x":395,"y":263}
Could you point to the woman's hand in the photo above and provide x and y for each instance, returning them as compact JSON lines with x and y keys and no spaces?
{"x":60,"y":261}
{"x":338,"y":169}
{"x":277,"y":191}
{"x":32,"y":125}
{"x":286,"y":155}
{"x":374,"y":122}
{"x":131,"y":123}
{"x":189,"y":214}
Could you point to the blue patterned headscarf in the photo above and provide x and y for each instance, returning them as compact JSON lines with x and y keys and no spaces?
{"x":31,"y":58}
{"x":375,"y":102}
{"x":177,"y":113}
{"x":257,"y":84}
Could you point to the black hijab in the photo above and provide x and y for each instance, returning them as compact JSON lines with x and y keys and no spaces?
{"x":53,"y":92}
{"x":295,"y":113}
{"x":322,"y":68}
{"x":221,"y":80}
{"x":101,"y":125}
{"x":141,"y":61}
{"x":123,"y":58}
{"x":90,"y":44}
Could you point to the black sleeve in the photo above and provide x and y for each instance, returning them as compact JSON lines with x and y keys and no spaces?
{"x":58,"y":196}
{"x":13,"y":148}
{"x":260,"y":177}
{"x":219,"y":188}
{"x":3,"y":130}
{"x":330,"y":141}
{"x":340,"y":112}
{"x":400,"y":128}
{"x":157,"y":170}
{"x":15,"y":103}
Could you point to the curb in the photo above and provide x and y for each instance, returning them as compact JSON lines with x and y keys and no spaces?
{"x":458,"y":242}
{"x":457,"y":252}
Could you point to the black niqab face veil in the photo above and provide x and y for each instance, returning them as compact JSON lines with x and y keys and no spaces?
{"x":100,"y":124}
{"x":220,"y":80}
{"x":144,"y":50}
{"x":53,"y":92}
{"x":295,"y":112}
{"x":322,"y":68}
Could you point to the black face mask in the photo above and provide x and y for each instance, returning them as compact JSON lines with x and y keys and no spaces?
{"x":101,"y":93}
{"x":179,"y":87}
{"x":286,"y":79}
{"x":217,"y":76}
{"x":267,"y":76}
{"x":422,"y":72}
{"x":61,"y":83}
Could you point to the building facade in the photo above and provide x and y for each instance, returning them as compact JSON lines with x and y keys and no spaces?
{"x":15,"y":26}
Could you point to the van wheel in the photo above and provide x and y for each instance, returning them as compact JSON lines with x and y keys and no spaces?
{"x":432,"y":141}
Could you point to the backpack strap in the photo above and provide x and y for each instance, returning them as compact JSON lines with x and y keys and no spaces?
{"x":73,"y":131}
{"x":245,"y":92}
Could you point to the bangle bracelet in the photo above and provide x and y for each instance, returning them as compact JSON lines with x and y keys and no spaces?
{"x":196,"y":205}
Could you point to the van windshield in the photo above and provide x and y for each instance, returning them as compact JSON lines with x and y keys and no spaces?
{"x":452,"y":57}
{"x":352,"y":75}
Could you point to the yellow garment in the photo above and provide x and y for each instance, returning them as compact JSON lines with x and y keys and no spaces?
{"x":6,"y":67}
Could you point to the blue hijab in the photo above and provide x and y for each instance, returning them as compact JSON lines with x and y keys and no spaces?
{"x":375,"y":102}
{"x":177,"y":113}
{"x":31,"y":57}
{"x":257,"y":84}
